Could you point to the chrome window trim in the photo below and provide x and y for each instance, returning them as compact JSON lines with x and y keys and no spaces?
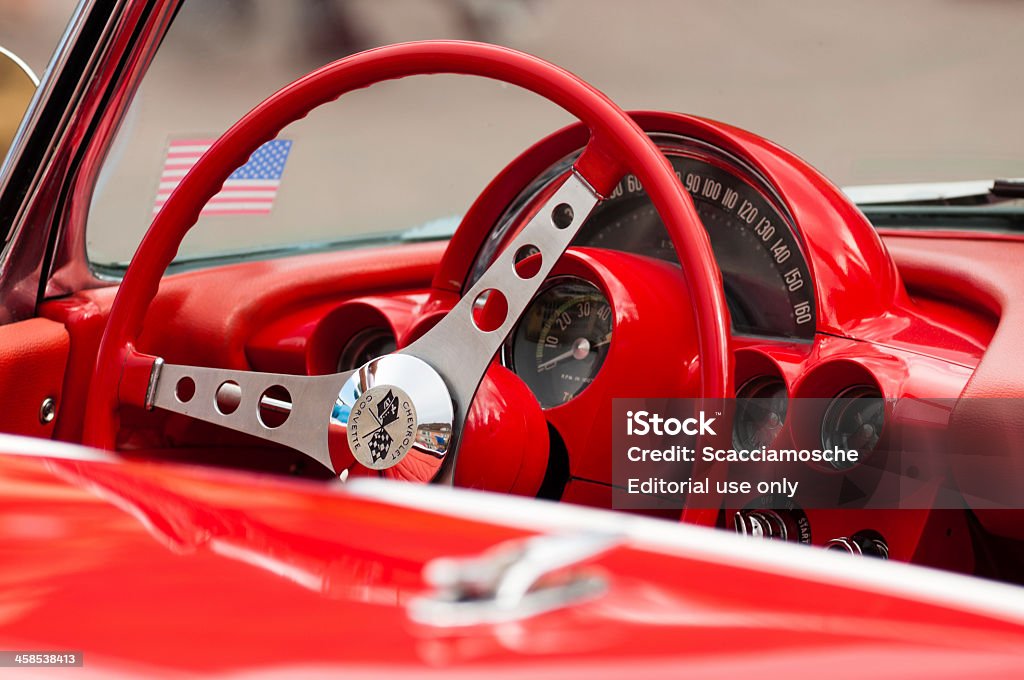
{"x":45,"y":189}
{"x":72,"y":271}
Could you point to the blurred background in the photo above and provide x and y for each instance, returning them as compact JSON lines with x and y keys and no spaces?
{"x":868,"y":91}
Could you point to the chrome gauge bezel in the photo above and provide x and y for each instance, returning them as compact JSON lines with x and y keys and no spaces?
{"x":349,"y":357}
{"x":838,"y":409}
{"x":753,"y":390}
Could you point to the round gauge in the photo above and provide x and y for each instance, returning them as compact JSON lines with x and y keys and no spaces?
{"x":562,"y":340}
{"x":761,"y":406}
{"x":364,"y":346}
{"x":853,"y":421}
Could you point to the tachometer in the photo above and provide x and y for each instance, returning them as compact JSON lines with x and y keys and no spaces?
{"x":562,"y":340}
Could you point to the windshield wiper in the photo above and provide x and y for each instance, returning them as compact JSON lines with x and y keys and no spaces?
{"x":1008,"y":188}
{"x":984,"y":218}
{"x":986,"y":205}
{"x":975,"y":192}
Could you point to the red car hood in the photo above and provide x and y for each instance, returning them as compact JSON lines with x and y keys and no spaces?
{"x":154,"y":569}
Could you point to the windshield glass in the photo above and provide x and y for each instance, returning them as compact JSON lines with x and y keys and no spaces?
{"x":869,"y":92}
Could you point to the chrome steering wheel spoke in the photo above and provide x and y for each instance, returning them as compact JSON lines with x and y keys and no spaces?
{"x":292,"y":410}
{"x":393,"y":415}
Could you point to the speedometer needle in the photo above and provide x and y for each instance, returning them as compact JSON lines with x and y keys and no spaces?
{"x":581,"y":349}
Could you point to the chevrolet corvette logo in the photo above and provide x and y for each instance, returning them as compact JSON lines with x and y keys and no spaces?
{"x":382,"y":427}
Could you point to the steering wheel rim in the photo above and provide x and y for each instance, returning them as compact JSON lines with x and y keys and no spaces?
{"x":617,"y":145}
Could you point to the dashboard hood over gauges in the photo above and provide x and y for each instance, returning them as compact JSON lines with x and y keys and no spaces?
{"x":845,"y":274}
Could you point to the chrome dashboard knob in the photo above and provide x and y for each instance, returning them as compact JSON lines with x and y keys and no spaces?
{"x":862,"y":544}
{"x":844,"y":544}
{"x":761,"y":524}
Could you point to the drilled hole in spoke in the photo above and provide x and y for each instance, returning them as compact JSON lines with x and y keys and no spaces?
{"x":228,"y":397}
{"x":275,"y":406}
{"x":562,"y":215}
{"x":185,"y":389}
{"x":489,"y":310}
{"x":527,"y":261}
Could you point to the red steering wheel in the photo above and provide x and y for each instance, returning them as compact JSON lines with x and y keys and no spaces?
{"x":403,"y":413}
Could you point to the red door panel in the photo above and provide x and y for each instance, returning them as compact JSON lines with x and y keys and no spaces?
{"x":33,"y":355}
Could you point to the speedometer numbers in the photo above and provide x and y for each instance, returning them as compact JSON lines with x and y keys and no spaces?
{"x":767,"y":280}
{"x":762,"y":223}
{"x":562,"y":340}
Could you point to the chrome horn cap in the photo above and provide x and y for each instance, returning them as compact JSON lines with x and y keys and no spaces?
{"x":397,"y":411}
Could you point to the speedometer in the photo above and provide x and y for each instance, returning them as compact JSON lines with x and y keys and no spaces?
{"x":766,"y":278}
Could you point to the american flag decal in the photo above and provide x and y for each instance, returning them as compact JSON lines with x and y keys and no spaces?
{"x":250,"y":190}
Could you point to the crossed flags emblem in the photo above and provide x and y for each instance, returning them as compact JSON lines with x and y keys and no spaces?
{"x":387,"y":413}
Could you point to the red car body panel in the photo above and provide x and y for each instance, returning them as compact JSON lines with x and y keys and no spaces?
{"x":162,"y":569}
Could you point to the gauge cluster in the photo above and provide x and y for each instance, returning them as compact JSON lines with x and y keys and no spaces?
{"x":561,"y":343}
{"x":835,"y":405}
{"x":766,"y":276}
